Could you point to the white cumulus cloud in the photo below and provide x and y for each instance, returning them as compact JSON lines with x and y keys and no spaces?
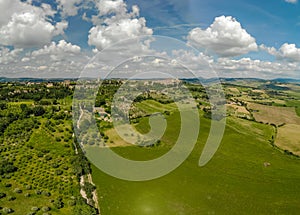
{"x":103,"y":36}
{"x":9,"y":56}
{"x":25,"y":25}
{"x":57,"y":51}
{"x":246,"y":67}
{"x":69,"y":7}
{"x":225,"y":37}
{"x":107,"y":7}
{"x":58,"y":59}
{"x":119,"y":25}
{"x":288,"y":52}
{"x":291,"y":1}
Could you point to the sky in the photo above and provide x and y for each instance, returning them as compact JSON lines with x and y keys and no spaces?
{"x":234,"y":38}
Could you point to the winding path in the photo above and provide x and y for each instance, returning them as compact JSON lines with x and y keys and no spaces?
{"x":89,"y":176}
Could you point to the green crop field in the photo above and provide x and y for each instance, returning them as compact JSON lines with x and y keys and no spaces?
{"x":236,"y":181}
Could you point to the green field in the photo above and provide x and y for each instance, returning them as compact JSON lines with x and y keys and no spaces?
{"x":235,"y":181}
{"x":43,"y":171}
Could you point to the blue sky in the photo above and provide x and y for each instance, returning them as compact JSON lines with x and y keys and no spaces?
{"x":269,"y":32}
{"x":271,"y":22}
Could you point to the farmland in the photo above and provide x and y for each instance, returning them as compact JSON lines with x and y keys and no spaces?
{"x":256,"y":169}
{"x":39,"y":168}
{"x":288,"y":138}
{"x":251,"y":173}
{"x":274,"y":114}
{"x":236,"y":174}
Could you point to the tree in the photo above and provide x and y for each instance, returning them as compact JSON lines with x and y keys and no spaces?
{"x":38,"y":111}
{"x":58,"y":203}
{"x":26,"y":111}
{"x":2,"y":195}
{"x":23,"y":107}
{"x":7,"y":210}
{"x":3,"y":106}
{"x":6,"y":167}
{"x":84,"y":209}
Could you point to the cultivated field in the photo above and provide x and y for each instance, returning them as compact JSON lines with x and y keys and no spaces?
{"x":239,"y":111}
{"x":288,"y":138}
{"x":39,"y":166}
{"x":236,"y":181}
{"x":273,"y":114}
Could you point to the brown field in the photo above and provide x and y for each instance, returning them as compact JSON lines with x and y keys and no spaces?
{"x":237,"y":110}
{"x":275,"y":115}
{"x":278,"y":101}
{"x":258,"y":91}
{"x":115,"y":139}
{"x":234,"y":90}
{"x":288,"y":138}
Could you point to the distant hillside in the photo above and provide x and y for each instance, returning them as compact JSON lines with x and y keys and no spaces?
{"x":191,"y":80}
{"x":5,"y":79}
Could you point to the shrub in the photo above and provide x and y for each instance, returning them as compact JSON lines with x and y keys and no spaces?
{"x":55,"y":165}
{"x":17,"y":190}
{"x":35,"y":209}
{"x":48,"y":158}
{"x":45,"y":151}
{"x":71,"y":202}
{"x":7,"y":185}
{"x":38,"y":111}
{"x":40,"y":154}
{"x":2,"y":195}
{"x":6,"y":167}
{"x":58,"y":172}
{"x":45,"y":193}
{"x":58,"y":204}
{"x":45,"y":209}
{"x":7,"y":210}
{"x":11,"y":198}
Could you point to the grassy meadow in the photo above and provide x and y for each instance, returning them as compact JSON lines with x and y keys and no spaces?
{"x":247,"y":175}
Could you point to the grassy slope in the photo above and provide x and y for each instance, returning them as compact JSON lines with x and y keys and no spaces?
{"x":296,"y":104}
{"x":234,"y":182}
{"x":151,"y":106}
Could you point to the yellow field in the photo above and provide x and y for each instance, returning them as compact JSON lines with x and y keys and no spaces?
{"x":258,"y":91}
{"x":236,"y":110}
{"x":275,"y":115}
{"x":234,"y":90}
{"x":288,"y":138}
{"x":117,"y":141}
